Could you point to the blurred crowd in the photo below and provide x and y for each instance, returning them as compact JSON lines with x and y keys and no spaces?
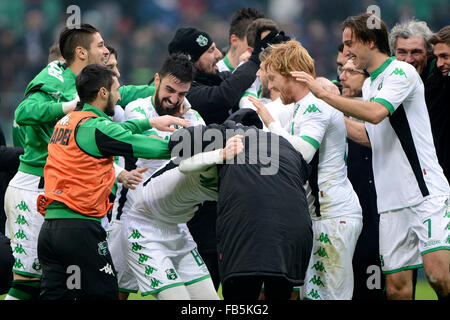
{"x":140,"y":30}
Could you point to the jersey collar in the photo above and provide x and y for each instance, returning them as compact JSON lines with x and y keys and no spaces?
{"x":380,"y":69}
{"x":227,"y":63}
{"x":98,"y":112}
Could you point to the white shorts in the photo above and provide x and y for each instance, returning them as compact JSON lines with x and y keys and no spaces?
{"x":409,"y":233}
{"x":23,"y":224}
{"x":117,"y":243}
{"x":330,"y":271}
{"x":162,"y":255}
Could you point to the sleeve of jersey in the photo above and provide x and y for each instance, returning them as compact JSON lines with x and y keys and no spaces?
{"x":395,"y":88}
{"x":38,"y":108}
{"x":103,"y":138}
{"x":313,"y":124}
{"x":135,"y":110}
{"x":131,"y":93}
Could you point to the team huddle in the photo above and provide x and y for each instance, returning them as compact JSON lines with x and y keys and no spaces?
{"x":236,"y":170}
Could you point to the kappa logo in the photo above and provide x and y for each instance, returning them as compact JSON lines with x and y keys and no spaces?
{"x":107,"y":269}
{"x":311,"y":109}
{"x":317,"y":281}
{"x":22,"y":206}
{"x":398,"y":72}
{"x":201,"y":40}
{"x":139,"y":109}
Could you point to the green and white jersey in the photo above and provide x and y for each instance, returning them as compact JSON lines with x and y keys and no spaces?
{"x":405,"y":164}
{"x":324,"y":128}
{"x":254,"y":90}
{"x":173,"y":197}
{"x":40,"y":110}
{"x":144,"y":109}
{"x":224,"y":65}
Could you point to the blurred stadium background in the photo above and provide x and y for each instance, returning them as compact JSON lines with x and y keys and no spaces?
{"x":141,"y":29}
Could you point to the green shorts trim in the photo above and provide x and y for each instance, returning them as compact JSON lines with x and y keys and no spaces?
{"x":403,"y":269}
{"x":197,"y":280}
{"x":27,"y":274}
{"x":435,"y":249}
{"x":161,"y":289}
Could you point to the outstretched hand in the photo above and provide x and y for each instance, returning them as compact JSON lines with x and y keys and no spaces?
{"x":261,"y":110}
{"x":314,"y":85}
{"x":163,"y":123}
{"x":129,"y":179}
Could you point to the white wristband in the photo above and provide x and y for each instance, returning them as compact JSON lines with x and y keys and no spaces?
{"x":200,"y":161}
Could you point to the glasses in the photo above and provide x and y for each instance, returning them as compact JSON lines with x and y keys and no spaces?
{"x":351,"y":72}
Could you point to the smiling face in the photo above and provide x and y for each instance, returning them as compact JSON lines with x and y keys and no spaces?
{"x":169,"y":95}
{"x":208,"y":60}
{"x":281,"y":84}
{"x":355,"y":49}
{"x":352,"y":80}
{"x":442,"y":53}
{"x":412,"y":51}
{"x":97,"y":52}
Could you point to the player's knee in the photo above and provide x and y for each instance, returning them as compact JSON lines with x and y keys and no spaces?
{"x":398,"y":289}
{"x":438,"y":277}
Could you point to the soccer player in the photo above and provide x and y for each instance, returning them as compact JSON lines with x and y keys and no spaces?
{"x":48,"y":97}
{"x":237,"y":38}
{"x":172,"y":82}
{"x":264,"y":232}
{"x":412,"y":191}
{"x":160,"y":250}
{"x":79,"y":177}
{"x":317,"y":131}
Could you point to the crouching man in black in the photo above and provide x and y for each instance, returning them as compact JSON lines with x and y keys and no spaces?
{"x":264,"y":229}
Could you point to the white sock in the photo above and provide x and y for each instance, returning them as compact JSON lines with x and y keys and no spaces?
{"x":174,"y":293}
{"x":8,"y":297}
{"x":203,"y":290}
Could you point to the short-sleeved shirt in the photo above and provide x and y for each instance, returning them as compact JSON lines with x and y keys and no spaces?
{"x":405,"y":165}
{"x":324,"y":128}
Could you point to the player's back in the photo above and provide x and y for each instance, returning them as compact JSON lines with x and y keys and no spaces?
{"x":170,"y":196}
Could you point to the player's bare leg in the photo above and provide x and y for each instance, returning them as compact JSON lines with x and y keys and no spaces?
{"x":399,"y":285}
{"x":436,"y":265}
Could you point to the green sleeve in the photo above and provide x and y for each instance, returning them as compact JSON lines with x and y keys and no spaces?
{"x":136,"y":125}
{"x":38,"y":108}
{"x":18,"y":136}
{"x":103,"y":138}
{"x":131,"y":93}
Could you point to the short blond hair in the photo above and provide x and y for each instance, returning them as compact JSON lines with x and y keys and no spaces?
{"x":289,"y":56}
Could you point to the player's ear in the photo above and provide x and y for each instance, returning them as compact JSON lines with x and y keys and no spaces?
{"x":157,"y":80}
{"x":81,"y":53}
{"x":233,"y":39}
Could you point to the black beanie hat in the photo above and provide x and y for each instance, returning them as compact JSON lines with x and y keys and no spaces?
{"x":190,"y":41}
